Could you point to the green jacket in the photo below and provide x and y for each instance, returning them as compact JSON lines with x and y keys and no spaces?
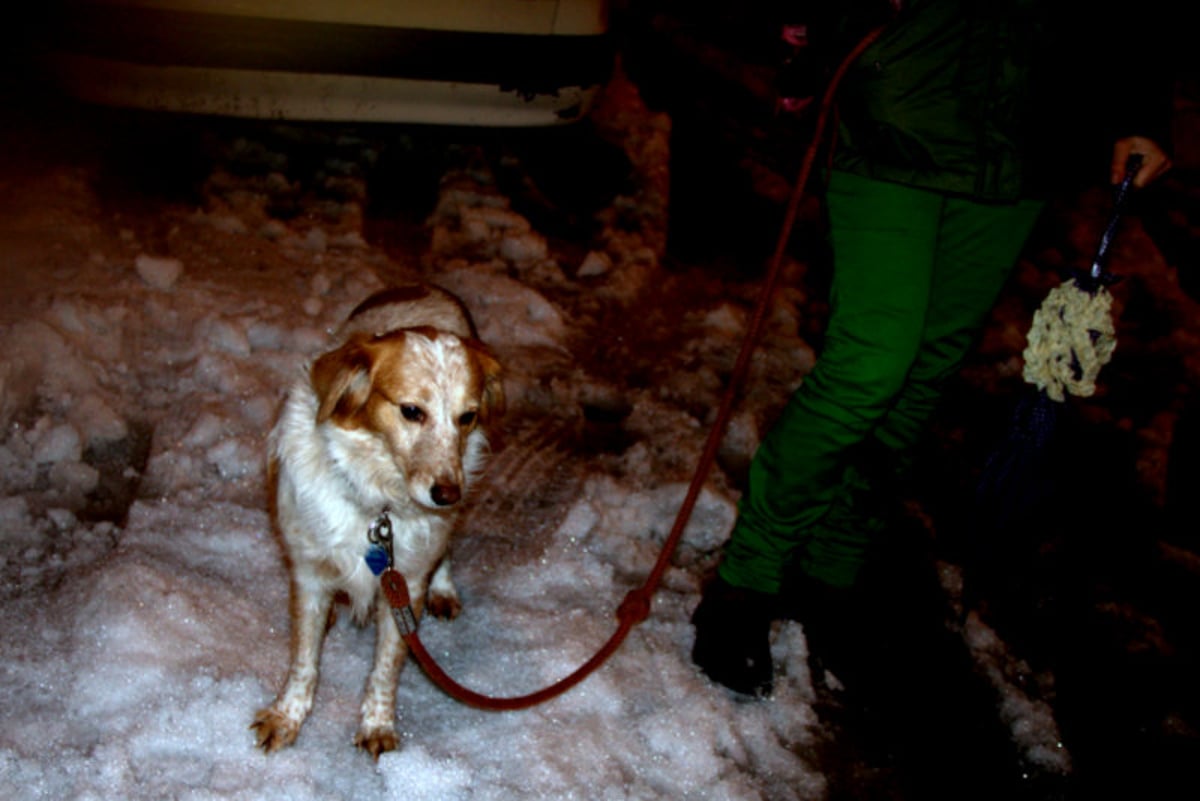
{"x":993,"y":99}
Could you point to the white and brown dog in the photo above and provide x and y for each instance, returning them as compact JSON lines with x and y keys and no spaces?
{"x":389,"y":425}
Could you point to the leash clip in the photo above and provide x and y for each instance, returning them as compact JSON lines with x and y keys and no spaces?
{"x":379,"y":534}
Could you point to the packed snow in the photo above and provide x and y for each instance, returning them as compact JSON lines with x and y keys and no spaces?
{"x":145,"y":609}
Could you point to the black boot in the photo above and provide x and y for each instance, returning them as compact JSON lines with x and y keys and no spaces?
{"x":840,"y":634}
{"x":733,"y":637}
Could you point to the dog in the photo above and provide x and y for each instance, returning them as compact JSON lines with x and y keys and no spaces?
{"x":390,"y":425}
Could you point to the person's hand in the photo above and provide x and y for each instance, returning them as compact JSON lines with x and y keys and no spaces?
{"x":1155,"y":161}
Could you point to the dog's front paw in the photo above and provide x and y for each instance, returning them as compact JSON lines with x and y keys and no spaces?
{"x":376,"y":740}
{"x":443,"y":605}
{"x":274,"y":730}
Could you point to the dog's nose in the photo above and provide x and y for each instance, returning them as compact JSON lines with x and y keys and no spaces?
{"x":445,"y":494}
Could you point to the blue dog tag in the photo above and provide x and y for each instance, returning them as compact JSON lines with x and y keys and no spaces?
{"x":377,"y":559}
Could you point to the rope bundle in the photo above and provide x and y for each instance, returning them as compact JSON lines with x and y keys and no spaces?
{"x":1071,"y":339}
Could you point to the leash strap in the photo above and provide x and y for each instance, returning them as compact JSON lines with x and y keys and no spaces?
{"x":635,"y":608}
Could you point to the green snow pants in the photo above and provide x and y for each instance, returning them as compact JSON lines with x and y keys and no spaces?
{"x":915,"y":275}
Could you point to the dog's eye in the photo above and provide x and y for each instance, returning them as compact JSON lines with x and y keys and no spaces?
{"x":414,"y":414}
{"x":468,"y":419}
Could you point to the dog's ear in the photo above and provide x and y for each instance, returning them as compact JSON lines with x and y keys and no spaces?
{"x":492,"y":400}
{"x":342,"y":379}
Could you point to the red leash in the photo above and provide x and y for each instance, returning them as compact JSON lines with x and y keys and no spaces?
{"x":396,"y":590}
{"x":636,"y":606}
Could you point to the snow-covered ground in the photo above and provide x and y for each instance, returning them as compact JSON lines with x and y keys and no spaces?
{"x":144,"y":348}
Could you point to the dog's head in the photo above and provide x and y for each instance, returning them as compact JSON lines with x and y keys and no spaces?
{"x":419,"y":395}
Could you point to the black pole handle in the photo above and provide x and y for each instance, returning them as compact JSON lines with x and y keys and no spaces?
{"x":1132,"y":165}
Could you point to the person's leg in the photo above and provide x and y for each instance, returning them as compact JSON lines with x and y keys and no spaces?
{"x":977,"y":246}
{"x":883,"y":237}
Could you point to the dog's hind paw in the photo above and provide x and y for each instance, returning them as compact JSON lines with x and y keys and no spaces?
{"x":274,"y":730}
{"x":377,"y":740}
{"x":443,"y":605}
